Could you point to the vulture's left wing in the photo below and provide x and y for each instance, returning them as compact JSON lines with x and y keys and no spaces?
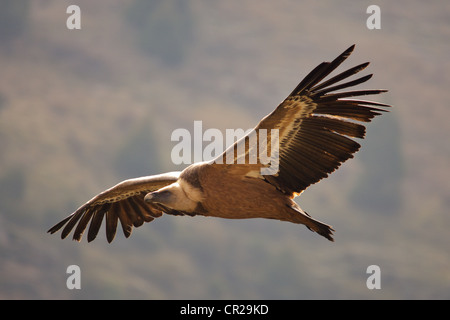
{"x":315,"y":126}
{"x":124,"y":202}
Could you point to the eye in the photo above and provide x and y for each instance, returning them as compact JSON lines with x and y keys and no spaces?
{"x":164,"y":193}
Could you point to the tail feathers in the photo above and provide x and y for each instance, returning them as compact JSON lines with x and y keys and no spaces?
{"x":321,"y":228}
{"x":300,"y":216}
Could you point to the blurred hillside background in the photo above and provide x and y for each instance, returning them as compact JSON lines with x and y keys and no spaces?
{"x":81,"y":110}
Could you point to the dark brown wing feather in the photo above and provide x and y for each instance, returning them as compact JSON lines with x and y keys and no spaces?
{"x":316,"y":125}
{"x":124,"y":202}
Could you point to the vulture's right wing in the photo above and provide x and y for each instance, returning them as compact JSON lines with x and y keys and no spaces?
{"x":124,"y":202}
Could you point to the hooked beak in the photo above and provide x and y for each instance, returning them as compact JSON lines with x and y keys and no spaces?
{"x":157,"y":196}
{"x":149,"y":197}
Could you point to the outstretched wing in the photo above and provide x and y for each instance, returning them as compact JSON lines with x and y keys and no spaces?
{"x":124,"y":202}
{"x":315,"y":126}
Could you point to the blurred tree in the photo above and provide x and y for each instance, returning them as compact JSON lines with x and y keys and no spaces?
{"x":14,"y":16}
{"x":379,"y":186}
{"x":165,"y":28}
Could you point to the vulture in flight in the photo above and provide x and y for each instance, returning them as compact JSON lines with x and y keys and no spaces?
{"x":315,"y":126}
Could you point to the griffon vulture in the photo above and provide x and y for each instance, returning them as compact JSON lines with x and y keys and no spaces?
{"x":315,"y":125}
